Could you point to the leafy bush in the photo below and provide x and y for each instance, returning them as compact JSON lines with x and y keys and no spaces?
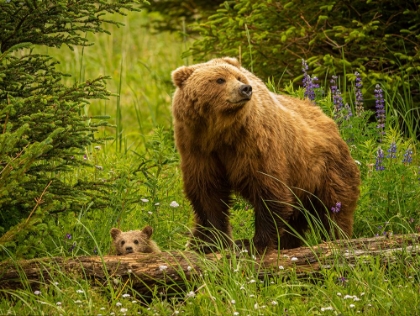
{"x":44,"y":128}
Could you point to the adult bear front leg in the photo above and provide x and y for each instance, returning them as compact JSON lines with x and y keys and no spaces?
{"x":208,"y":190}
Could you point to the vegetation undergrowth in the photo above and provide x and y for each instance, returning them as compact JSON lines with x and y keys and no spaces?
{"x":140,"y":167}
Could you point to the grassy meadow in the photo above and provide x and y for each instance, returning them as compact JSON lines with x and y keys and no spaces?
{"x":142,"y":165}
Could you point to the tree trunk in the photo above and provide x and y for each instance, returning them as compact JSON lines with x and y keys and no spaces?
{"x":172,"y":269}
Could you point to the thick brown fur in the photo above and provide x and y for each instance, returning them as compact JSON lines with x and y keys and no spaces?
{"x":280,"y":153}
{"x":133,"y":241}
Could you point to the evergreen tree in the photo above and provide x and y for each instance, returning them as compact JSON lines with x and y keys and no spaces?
{"x":43,"y":132}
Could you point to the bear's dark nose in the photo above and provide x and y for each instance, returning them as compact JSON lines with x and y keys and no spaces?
{"x":245,"y":90}
{"x":129,"y":249}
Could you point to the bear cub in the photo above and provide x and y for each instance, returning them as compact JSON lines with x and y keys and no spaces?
{"x":134,"y":241}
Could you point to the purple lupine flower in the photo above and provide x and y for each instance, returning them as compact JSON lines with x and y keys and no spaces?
{"x":336,"y":208}
{"x":309,"y":83}
{"x":379,"y":160}
{"x":336,"y":95}
{"x":68,"y":236}
{"x":72,"y":247}
{"x":392,"y":151}
{"x":408,"y":156}
{"x":359,"y":95}
{"x":380,"y":110}
{"x":342,"y":279}
{"x":349,"y":112}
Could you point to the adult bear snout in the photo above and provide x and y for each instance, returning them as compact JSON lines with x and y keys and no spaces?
{"x":245,"y":90}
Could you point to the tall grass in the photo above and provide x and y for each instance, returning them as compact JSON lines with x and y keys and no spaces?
{"x":142,"y":164}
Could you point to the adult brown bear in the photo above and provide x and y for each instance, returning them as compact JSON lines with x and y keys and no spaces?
{"x":282,"y":154}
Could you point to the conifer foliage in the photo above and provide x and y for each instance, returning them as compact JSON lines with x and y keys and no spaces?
{"x":43,"y":130}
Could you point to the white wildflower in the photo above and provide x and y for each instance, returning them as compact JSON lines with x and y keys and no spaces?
{"x":173,"y":204}
{"x":274,"y":303}
{"x":294,"y":259}
{"x":190,"y":294}
{"x":281,"y":267}
{"x":256,"y":306}
{"x":163,"y":268}
{"x":123,"y":310}
{"x":118,"y":304}
{"x":37,"y":292}
{"x":144,"y":200}
{"x":80,"y":291}
{"x":78,"y":302}
{"x":233,"y":302}
{"x":328,"y":308}
{"x":352,"y":306}
{"x":338,"y":294}
{"x":58,"y":303}
{"x":126,"y":295}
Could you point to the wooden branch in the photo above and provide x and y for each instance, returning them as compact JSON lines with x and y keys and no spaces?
{"x":172,"y":269}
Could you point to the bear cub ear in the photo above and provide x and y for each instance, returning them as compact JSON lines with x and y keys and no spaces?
{"x":115,"y":232}
{"x":181,"y":74}
{"x":148,"y":231}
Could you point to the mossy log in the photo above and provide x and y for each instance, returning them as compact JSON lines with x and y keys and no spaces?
{"x":145,"y":272}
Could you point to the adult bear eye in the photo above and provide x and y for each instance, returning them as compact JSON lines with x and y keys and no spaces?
{"x":122,"y":243}
{"x":220,"y":81}
{"x":136,"y":242}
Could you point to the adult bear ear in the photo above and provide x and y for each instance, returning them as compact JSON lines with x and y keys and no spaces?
{"x":115,"y":232}
{"x":232,"y":61}
{"x":148,"y":231}
{"x":181,"y":74}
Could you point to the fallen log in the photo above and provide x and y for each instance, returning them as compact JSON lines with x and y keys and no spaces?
{"x":173,"y":269}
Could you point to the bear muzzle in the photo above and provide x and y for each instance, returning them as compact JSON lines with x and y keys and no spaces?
{"x":129,"y":250}
{"x":245,"y":91}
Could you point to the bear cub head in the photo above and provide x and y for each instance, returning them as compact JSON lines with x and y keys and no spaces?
{"x":133,"y":241}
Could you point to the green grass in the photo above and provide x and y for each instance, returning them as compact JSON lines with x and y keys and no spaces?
{"x":142,"y":165}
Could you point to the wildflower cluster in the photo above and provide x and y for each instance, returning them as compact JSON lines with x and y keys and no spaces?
{"x":336,"y":95}
{"x":359,"y":95}
{"x":379,"y":160}
{"x":380,"y":110}
{"x":392,"y":151}
{"x":336,"y":208}
{"x":309,"y":83}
